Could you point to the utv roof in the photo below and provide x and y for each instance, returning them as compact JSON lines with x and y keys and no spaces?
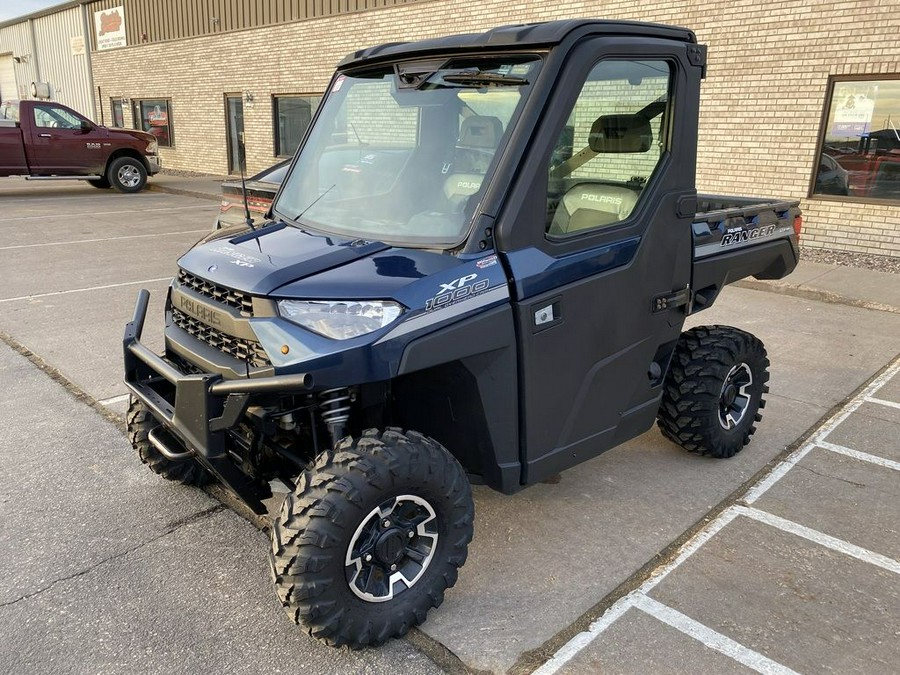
{"x":520,"y":35}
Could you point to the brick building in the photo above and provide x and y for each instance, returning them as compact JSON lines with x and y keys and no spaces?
{"x":802,"y":98}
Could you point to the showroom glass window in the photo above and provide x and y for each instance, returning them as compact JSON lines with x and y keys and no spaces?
{"x":859,"y":153}
{"x":154,"y":115}
{"x":118,"y":115}
{"x":292,"y":117}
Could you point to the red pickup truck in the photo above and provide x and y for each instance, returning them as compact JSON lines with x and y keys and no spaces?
{"x":49,"y":141}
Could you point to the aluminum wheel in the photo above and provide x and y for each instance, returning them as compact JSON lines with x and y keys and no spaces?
{"x":735,"y":396}
{"x":393,"y":545}
{"x":129,"y":176}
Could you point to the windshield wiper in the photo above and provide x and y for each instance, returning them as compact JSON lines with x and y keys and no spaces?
{"x":476,"y":78}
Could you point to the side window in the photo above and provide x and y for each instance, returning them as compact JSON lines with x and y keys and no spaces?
{"x":55,"y":118}
{"x":611,"y":144}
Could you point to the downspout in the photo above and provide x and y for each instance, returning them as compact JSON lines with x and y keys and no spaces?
{"x":85,"y":28}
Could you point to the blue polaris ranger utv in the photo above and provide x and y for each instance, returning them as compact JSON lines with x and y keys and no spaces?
{"x":476,"y":271}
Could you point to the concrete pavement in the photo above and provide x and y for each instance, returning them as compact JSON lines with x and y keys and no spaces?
{"x":543,"y":563}
{"x":107,"y":569}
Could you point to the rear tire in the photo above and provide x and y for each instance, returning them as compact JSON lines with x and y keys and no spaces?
{"x":127,"y":174}
{"x":714,"y":390}
{"x":139,"y":423}
{"x":101,"y":183}
{"x":371,"y":538}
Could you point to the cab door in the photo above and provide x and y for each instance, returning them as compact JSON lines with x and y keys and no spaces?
{"x":59,"y":142}
{"x":601,"y":249}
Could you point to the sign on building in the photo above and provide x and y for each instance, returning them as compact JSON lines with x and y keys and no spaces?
{"x":109,"y":28}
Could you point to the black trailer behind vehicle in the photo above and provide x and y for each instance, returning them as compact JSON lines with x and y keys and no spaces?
{"x":477,"y":269}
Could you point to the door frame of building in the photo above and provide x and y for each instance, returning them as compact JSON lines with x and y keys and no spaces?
{"x":234,"y":168}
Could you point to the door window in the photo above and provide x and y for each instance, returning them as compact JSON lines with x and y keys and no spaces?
{"x":51,"y":117}
{"x":609,"y":147}
{"x":234,"y":112}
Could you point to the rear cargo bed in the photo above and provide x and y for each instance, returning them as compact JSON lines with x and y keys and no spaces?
{"x":738,"y":237}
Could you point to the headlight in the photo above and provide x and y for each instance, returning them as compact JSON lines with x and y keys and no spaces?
{"x":152,"y":147}
{"x":340,"y":319}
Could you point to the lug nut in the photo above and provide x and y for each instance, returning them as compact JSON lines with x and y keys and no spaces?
{"x":368,"y":557}
{"x":386,"y":523}
{"x":410,"y":534}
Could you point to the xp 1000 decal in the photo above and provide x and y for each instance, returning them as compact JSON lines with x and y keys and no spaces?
{"x":466,"y":286}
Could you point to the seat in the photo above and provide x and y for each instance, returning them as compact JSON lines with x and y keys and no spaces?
{"x":589,"y":205}
{"x":479,"y":136}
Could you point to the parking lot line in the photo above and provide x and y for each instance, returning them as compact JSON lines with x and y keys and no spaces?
{"x":93,"y":241}
{"x":623,"y":604}
{"x":83,"y":290}
{"x":114,"y":399}
{"x":881,"y":401}
{"x":821,"y":434}
{"x":862,"y":456}
{"x":105,"y":213}
{"x":820,"y":538}
{"x":712,"y":639}
{"x":689,"y":626}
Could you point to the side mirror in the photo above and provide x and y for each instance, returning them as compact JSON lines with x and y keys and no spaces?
{"x":86,"y":126}
{"x":620,"y":133}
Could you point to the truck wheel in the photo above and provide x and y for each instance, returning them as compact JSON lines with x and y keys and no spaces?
{"x":101,"y":183}
{"x":139,"y":424}
{"x":127,"y":174}
{"x":714,"y":390}
{"x":371,"y":538}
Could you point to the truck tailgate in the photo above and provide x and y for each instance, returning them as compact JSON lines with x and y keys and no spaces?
{"x":737,"y":237}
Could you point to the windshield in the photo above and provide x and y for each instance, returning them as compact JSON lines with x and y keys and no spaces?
{"x":402,"y":153}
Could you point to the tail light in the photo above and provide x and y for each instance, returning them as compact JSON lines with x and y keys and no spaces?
{"x":798,"y":225}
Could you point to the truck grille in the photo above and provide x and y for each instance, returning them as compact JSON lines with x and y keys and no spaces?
{"x":227,"y":296}
{"x":238,"y":348}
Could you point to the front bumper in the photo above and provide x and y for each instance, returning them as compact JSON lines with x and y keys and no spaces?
{"x":154,"y":164}
{"x":196,"y":411}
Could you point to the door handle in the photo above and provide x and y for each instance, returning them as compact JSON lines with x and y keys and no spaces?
{"x":45,"y":135}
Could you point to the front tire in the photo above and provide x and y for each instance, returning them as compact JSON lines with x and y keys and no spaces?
{"x":371,"y":538}
{"x":139,"y":423}
{"x":714,"y":390}
{"x":127,"y":174}
{"x":100,"y":183}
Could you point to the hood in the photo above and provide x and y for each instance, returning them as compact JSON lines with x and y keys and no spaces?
{"x":260,"y":261}
{"x":140,"y":135}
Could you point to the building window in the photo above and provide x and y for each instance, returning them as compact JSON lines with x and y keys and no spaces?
{"x":118,"y":116}
{"x":154,"y":115}
{"x":860,"y":140}
{"x":292,"y":115}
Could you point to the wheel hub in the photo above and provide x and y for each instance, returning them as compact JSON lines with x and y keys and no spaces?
{"x":729,"y":395}
{"x":734,"y":400}
{"x":391,"y":548}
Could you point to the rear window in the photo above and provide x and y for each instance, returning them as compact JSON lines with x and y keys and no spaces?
{"x":274,"y":174}
{"x":9,"y":110}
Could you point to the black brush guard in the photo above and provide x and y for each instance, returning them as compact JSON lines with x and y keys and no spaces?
{"x":206,"y":407}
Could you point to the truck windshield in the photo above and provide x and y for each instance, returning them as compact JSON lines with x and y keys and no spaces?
{"x":403,"y":153}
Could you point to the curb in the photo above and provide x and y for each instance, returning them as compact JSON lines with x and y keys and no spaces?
{"x":808,"y":293}
{"x":155,"y":187}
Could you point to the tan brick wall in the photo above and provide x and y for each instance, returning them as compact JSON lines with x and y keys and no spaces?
{"x":769,"y":63}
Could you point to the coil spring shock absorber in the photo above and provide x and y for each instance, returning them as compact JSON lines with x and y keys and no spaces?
{"x":334,"y":406}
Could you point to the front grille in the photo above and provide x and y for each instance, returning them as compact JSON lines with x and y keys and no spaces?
{"x":238,"y":348}
{"x":227,"y":296}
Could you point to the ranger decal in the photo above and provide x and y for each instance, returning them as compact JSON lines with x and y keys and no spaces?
{"x":747,"y":235}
